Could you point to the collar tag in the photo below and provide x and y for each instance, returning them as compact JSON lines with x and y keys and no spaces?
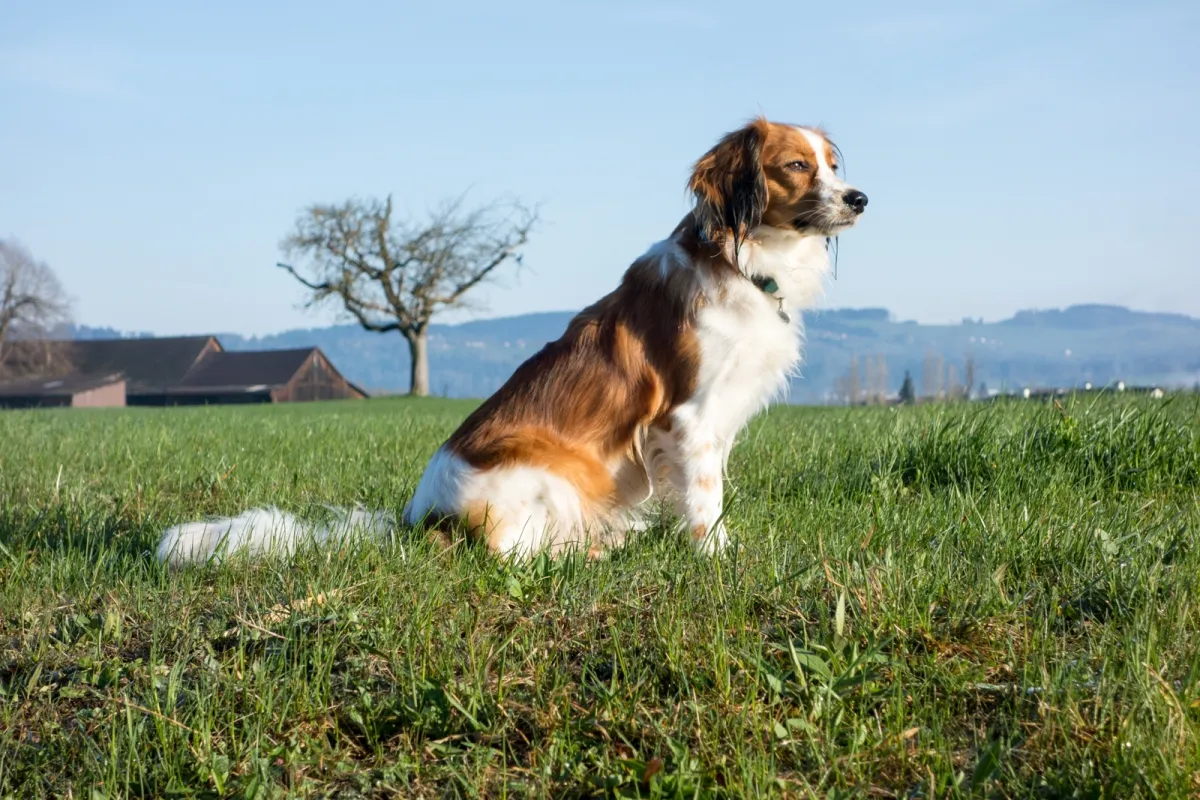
{"x":769,"y":286}
{"x":783,"y":315}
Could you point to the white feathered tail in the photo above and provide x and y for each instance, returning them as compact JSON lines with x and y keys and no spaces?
{"x":265,"y":530}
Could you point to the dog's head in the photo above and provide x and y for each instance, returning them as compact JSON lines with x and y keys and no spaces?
{"x":772,"y":174}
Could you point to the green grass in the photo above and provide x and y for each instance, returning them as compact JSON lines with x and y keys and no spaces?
{"x":989,"y":600}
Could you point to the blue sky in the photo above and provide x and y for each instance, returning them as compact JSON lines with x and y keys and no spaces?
{"x":1017,"y":154}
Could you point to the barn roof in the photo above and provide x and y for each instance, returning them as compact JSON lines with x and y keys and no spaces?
{"x":148,"y":364}
{"x":174,"y":367}
{"x":265,"y":368}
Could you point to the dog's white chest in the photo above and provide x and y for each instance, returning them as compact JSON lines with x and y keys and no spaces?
{"x":747,"y":353}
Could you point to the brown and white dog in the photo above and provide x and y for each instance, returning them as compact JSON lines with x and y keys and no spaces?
{"x":645,"y":393}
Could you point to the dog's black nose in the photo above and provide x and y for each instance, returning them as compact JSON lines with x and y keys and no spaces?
{"x":856,"y":200}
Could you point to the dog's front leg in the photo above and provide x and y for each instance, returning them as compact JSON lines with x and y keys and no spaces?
{"x":699,"y":482}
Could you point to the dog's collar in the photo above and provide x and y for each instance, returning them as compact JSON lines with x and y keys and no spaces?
{"x":768,"y":286}
{"x":765,"y":284}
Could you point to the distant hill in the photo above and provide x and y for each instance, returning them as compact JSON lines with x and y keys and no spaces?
{"x":1099,"y":344}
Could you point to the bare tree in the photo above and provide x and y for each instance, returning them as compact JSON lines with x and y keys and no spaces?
{"x":875,"y":380}
{"x":953,"y":388}
{"x":929,"y":381}
{"x":853,"y":382}
{"x":840,"y":391}
{"x":969,"y":379}
{"x":933,"y":376}
{"x":880,"y":389}
{"x":32,"y":303}
{"x":869,"y":381}
{"x":395,"y":275}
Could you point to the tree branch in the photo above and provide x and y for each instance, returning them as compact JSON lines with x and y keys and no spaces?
{"x":32,"y":303}
{"x":395,"y":276}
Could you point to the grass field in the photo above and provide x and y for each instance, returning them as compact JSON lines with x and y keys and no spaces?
{"x":925,"y":602}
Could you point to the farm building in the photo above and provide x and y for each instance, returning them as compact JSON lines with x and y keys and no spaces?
{"x":261,"y":376}
{"x":190,"y":370}
{"x":76,"y":391}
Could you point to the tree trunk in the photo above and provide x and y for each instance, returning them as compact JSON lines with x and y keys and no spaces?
{"x":418,"y":384}
{"x":3,"y":336}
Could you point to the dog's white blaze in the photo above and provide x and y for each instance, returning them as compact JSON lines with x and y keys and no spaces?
{"x":831,"y":184}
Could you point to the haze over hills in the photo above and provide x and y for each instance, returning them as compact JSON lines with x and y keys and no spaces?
{"x":1098,"y":344}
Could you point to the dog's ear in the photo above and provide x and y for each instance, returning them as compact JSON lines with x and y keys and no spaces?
{"x":729,"y":186}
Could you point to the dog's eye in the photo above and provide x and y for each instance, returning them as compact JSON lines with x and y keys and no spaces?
{"x":798,"y":166}
{"x":833,"y":167}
